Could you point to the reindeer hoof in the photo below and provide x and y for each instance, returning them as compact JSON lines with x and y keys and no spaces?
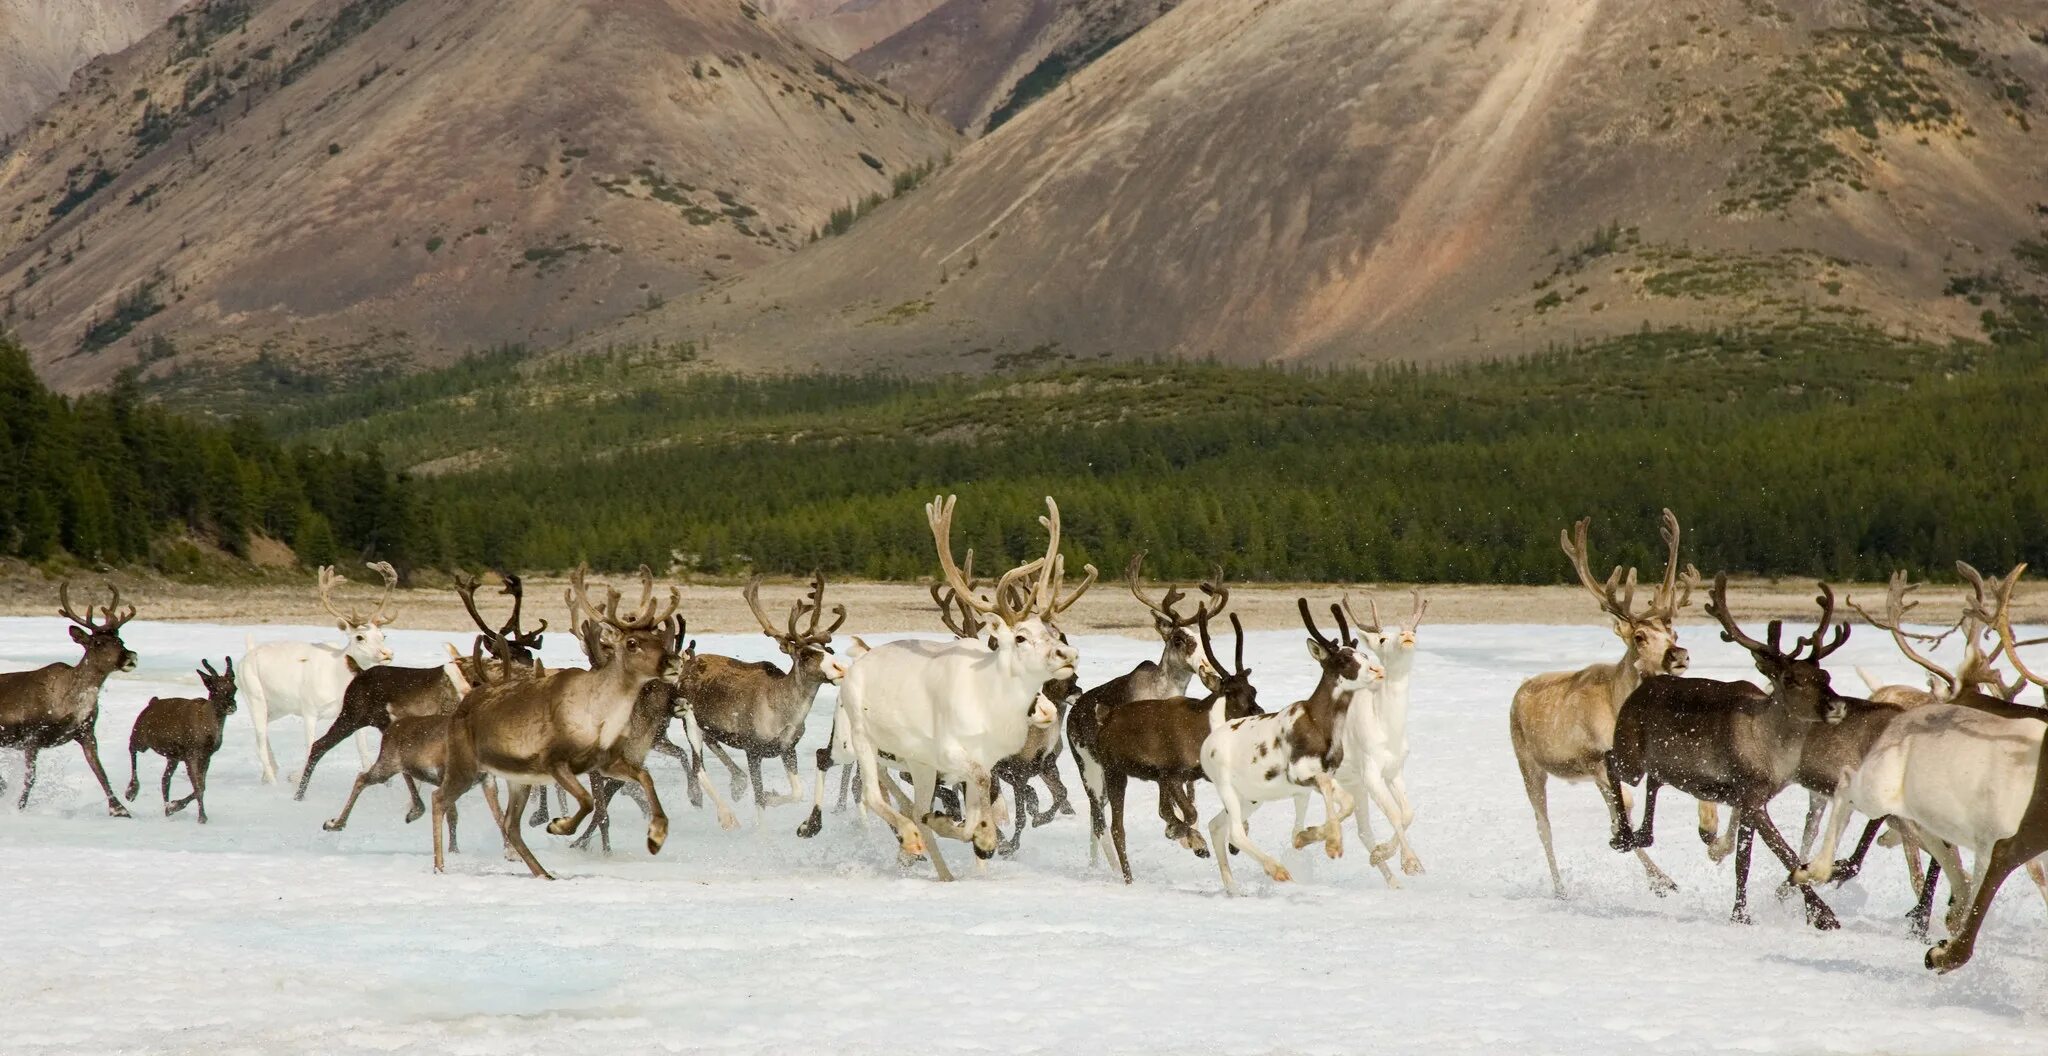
{"x":1411,"y":865}
{"x":561,"y":827}
{"x":1939,"y":959}
{"x":115,"y":809}
{"x":1822,"y":918}
{"x":334,"y":824}
{"x":132,"y":789}
{"x":1707,"y":836}
{"x":912,"y":845}
{"x":1845,"y":871}
{"x":415,"y":814}
{"x":1740,"y":916}
{"x":728,"y":821}
{"x":1304,"y":838}
{"x":1382,"y":853}
{"x":1280,"y":874}
{"x":812,"y":824}
{"x":1660,"y":886}
{"x":1916,"y":925}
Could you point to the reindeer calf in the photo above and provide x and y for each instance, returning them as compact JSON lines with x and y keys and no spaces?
{"x":184,"y":730}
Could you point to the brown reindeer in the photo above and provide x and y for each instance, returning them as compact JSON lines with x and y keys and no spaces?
{"x":1158,"y":740}
{"x":1729,"y":742}
{"x":184,"y":730}
{"x":759,"y":708}
{"x":1562,"y":723}
{"x":1180,"y":658}
{"x":60,"y":703}
{"x":556,"y":726}
{"x":378,"y":696}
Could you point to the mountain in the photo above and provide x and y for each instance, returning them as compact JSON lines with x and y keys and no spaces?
{"x":43,"y":41}
{"x":978,"y":62}
{"x":341,"y":183}
{"x":845,"y":27}
{"x":1328,"y":180}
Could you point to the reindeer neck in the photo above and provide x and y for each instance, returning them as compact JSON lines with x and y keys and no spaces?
{"x":1174,"y":667}
{"x":1626,"y":677}
{"x":85,"y":678}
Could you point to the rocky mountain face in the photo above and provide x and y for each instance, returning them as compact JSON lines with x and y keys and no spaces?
{"x":1328,"y":180}
{"x":42,"y":42}
{"x":345,"y":182}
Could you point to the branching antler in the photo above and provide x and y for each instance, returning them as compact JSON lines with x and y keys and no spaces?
{"x":1896,"y":608}
{"x":1717,"y":607}
{"x":328,"y":580}
{"x":383,"y":615}
{"x":1002,"y":603}
{"x":1676,"y":592}
{"x":1618,"y":595}
{"x":112,"y":614}
{"x":2005,"y":636}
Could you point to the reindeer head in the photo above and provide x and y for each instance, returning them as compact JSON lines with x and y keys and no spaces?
{"x":104,"y":650}
{"x":1796,"y":678}
{"x":1023,"y":604}
{"x":808,"y":648}
{"x":365,"y":642}
{"x":1234,"y":684}
{"x":509,"y":645}
{"x":1648,"y":634}
{"x":1341,"y":660}
{"x":1172,"y":626}
{"x":642,"y":646}
{"x":1394,"y":649}
{"x":220,"y":688}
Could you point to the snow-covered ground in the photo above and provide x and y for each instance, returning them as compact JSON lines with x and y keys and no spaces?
{"x":260,"y":932}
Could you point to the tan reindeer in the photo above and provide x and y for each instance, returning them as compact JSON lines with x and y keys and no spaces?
{"x":556,"y":726}
{"x":1562,"y":723}
{"x":60,"y":703}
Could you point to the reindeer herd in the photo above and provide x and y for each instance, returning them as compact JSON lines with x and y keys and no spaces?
{"x":930,"y":731}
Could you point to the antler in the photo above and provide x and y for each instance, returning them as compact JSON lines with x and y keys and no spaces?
{"x":752,"y":592}
{"x":1218,"y":594}
{"x":1371,"y":626}
{"x":814,"y":604}
{"x":2005,"y":635}
{"x":1896,"y":607}
{"x":1314,"y":632}
{"x":1343,"y":629}
{"x":1002,"y":604}
{"x":112,"y":614}
{"x":383,"y":568}
{"x":529,"y":641}
{"x":329,"y":579}
{"x":1209,"y":648}
{"x":1717,"y":607}
{"x":1057,"y":604}
{"x":1422,"y":606}
{"x":1164,"y":608}
{"x":1042,"y":598}
{"x":1818,"y":650}
{"x":1576,"y":548}
{"x":582,"y":620}
{"x":1676,"y":591}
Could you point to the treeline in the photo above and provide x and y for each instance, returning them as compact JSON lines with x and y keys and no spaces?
{"x":1841,"y":453}
{"x":109,"y":478}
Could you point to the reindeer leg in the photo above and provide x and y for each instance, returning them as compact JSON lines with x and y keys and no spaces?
{"x":363,"y":780}
{"x":695,"y":735}
{"x":739,"y":780}
{"x":1744,"y":837}
{"x":1113,"y":787}
{"x":412,"y":790}
{"x":452,"y":848}
{"x":1061,"y":802}
{"x":1646,"y":833}
{"x":1922,"y":914}
{"x":134,"y":768}
{"x":925,"y":783}
{"x":197,"y":774}
{"x":1847,"y":869}
{"x":2029,"y":843}
{"x":164,"y":793}
{"x":336,"y":733}
{"x":567,"y":779}
{"x":1536,"y":783}
{"x":1817,"y":912}
{"x":1184,"y":806}
{"x":90,"y":745}
{"x":1724,"y":845}
{"x":515,"y":834}
{"x":1336,"y":807}
{"x":1363,"y":816}
{"x":1710,"y":821}
{"x":1240,"y":837}
{"x":191,"y":778}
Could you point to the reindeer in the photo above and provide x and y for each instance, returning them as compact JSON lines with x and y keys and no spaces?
{"x":1562,"y":723}
{"x":382,"y":694}
{"x":564,"y":723}
{"x":1259,"y":759}
{"x":60,"y":703}
{"x":184,"y":730}
{"x":2021,"y":834}
{"x":956,"y":709}
{"x":1156,"y":740}
{"x":1376,"y":739}
{"x":759,"y":708}
{"x":1040,"y":756}
{"x":1180,"y":658}
{"x":1729,"y":742}
{"x":1969,"y":744}
{"x":308,"y":679}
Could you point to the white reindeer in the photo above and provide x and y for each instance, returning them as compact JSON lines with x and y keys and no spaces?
{"x":1376,"y":739}
{"x":1261,"y":759}
{"x":954,"y":709}
{"x":307,"y":679}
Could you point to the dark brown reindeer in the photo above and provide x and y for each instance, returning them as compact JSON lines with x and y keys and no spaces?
{"x":383,"y":694}
{"x":559,"y":725}
{"x":759,"y":708}
{"x":1157,"y":740}
{"x":60,"y":703}
{"x":1179,"y":660}
{"x":184,"y":730}
{"x":1728,"y":742}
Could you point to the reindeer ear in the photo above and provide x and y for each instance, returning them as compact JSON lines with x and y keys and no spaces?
{"x":1315,"y":649}
{"x":78,"y":635}
{"x":993,"y":639}
{"x":343,"y":624}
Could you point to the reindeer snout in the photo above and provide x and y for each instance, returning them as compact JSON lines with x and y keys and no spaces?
{"x":1677,"y":660}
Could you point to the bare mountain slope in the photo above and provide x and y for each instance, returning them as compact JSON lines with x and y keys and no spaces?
{"x":1261,"y":180}
{"x":845,"y":27}
{"x":978,"y":62}
{"x":43,"y":41}
{"x":405,"y":179}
